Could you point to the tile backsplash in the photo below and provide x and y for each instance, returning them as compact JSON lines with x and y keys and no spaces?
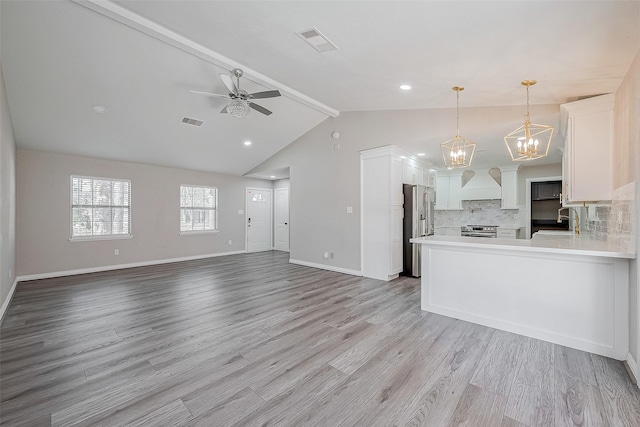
{"x":614,"y":222}
{"x":481,"y":212}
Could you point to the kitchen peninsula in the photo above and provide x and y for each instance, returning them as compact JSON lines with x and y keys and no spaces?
{"x":569,"y":290}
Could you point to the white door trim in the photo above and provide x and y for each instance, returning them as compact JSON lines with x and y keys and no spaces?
{"x":275,"y":219}
{"x":246,"y":216}
{"x":528,"y":198}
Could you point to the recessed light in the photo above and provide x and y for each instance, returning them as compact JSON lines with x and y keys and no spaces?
{"x":405,"y":87}
{"x":247,"y":143}
{"x":421,"y":154}
{"x":99,"y":109}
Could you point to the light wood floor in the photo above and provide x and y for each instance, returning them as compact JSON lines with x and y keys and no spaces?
{"x":252,"y":340}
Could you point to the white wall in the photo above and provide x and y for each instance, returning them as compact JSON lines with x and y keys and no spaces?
{"x":626,"y":171}
{"x":7,"y":199}
{"x":43,"y":203}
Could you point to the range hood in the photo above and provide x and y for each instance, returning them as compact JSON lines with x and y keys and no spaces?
{"x":481,"y":186}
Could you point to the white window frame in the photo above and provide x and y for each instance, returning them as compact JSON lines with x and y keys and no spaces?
{"x":215,"y":209}
{"x":81,"y":238}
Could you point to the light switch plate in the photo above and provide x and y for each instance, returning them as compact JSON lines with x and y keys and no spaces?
{"x":349,"y":209}
{"x":240,"y":211}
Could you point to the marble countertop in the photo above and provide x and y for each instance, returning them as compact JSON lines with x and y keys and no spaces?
{"x":581,"y":244}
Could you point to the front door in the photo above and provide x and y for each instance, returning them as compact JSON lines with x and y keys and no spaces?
{"x":258,"y":220}
{"x":282,"y":219}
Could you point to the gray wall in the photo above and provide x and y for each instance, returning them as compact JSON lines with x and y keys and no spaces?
{"x":7,"y":198}
{"x":43,"y":201}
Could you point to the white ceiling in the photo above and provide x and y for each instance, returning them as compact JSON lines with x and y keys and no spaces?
{"x":139,"y":59}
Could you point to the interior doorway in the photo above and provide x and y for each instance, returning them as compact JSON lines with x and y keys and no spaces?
{"x":259,"y":224}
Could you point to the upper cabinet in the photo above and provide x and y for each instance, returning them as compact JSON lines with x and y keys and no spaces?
{"x":587,"y":168}
{"x":509,"y":186}
{"x":546,"y":190}
{"x":416,"y":173}
{"x":448,"y":192}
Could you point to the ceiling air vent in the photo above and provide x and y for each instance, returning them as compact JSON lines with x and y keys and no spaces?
{"x":317,"y":40}
{"x":192,"y":122}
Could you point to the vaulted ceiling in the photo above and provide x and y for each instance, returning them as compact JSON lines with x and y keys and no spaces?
{"x":139,"y":59}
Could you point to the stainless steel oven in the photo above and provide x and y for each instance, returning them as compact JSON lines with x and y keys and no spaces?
{"x":489,"y":231}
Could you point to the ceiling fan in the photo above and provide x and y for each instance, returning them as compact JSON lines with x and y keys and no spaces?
{"x":240,"y":99}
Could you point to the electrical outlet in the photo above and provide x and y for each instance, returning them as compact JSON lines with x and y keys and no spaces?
{"x":331,"y":255}
{"x":230,"y":242}
{"x":515,"y":216}
{"x":116,"y":252}
{"x":326,"y":255}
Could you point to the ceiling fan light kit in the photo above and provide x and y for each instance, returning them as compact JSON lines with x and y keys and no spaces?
{"x":458,"y":151}
{"x":240,"y":99}
{"x":238,"y":108}
{"x":530,"y":141}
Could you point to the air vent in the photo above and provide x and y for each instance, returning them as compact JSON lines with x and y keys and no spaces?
{"x":192,"y":122}
{"x":317,"y":40}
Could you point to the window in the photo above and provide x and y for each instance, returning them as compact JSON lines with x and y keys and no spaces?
{"x":100,"y":208}
{"x":198,"y":208}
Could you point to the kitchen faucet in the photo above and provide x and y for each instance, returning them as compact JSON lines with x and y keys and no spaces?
{"x":576,"y":226}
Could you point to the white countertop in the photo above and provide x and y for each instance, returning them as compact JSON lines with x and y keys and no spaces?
{"x":581,"y":244}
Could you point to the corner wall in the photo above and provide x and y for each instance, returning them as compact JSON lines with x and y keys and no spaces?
{"x":626,"y":171}
{"x":7,"y":201}
{"x":43,"y":226}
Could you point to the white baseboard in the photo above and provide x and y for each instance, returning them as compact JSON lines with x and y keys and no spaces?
{"x":326,"y":267}
{"x":633,"y":367}
{"x":5,"y":304}
{"x":120,"y":266}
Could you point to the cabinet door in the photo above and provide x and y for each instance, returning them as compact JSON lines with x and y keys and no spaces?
{"x":587,"y":166}
{"x":411,"y":173}
{"x":455,"y":192}
{"x":506,"y":234}
{"x":442,"y":193}
{"x":510,"y":190}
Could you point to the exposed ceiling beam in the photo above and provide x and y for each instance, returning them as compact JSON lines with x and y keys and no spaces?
{"x":146,"y":26}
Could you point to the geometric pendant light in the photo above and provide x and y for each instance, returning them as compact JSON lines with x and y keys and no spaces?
{"x":530,"y":141}
{"x":458,"y":151}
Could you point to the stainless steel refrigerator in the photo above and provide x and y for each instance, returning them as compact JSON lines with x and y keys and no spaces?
{"x":418,"y":222}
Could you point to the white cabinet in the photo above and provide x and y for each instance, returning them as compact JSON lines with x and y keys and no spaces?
{"x":448,"y":192}
{"x":382,"y":212}
{"x":509,"y":186}
{"x":587,"y":163}
{"x":507,"y":233}
{"x":447,"y":231}
{"x":429,"y":177}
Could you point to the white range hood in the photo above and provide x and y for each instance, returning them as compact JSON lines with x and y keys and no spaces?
{"x":482,"y":186}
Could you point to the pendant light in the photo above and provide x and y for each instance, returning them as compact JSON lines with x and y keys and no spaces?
{"x":458,"y":151}
{"x":530,"y":141}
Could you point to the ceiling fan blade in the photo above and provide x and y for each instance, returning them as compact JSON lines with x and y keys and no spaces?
{"x":197,"y":92}
{"x":265,"y":94}
{"x":224,"y":110}
{"x":259,"y":108}
{"x":228,"y":82}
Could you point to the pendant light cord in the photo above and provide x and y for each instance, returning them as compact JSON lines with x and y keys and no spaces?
{"x":457,"y":112}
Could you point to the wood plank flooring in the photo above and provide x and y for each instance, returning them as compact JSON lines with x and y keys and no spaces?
{"x":251,"y":340}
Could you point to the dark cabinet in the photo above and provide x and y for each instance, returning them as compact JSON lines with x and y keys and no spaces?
{"x":546,"y":190}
